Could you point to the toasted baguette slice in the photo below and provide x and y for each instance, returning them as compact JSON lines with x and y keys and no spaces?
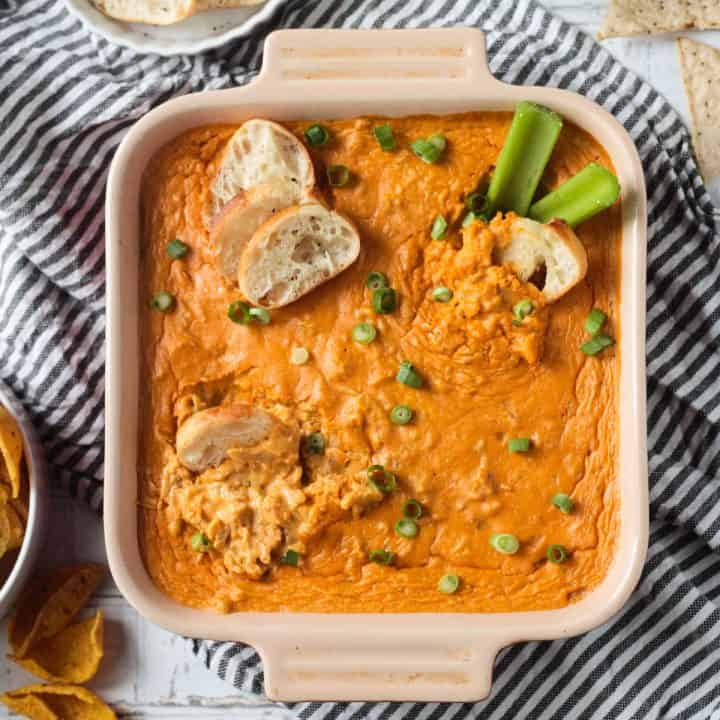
{"x":294,"y":252}
{"x":262,"y":152}
{"x":208,"y":437}
{"x":153,"y":12}
{"x":236,"y":223}
{"x":553,"y":245}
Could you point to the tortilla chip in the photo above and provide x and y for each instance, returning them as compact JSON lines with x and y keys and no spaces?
{"x":28,"y":706}
{"x":49,"y":603}
{"x":700,"y":66}
{"x":11,"y":448}
{"x":15,"y":524}
{"x":646,"y":17}
{"x":71,"y":656}
{"x":57,"y":702}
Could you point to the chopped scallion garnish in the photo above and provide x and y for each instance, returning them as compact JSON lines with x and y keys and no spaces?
{"x":519,"y":445}
{"x":449,"y":584}
{"x":200,"y":542}
{"x":176,"y":249}
{"x":439,"y":228}
{"x":381,"y":557}
{"x":430,"y":149}
{"x":406,"y":527}
{"x":401,"y":415}
{"x":338,"y":175}
{"x":505,"y":543}
{"x":376,"y":280}
{"x":563,"y":502}
{"x":299,"y":356}
{"x":384,"y":136}
{"x":384,"y":300}
{"x":595,"y":321}
{"x":557,"y":554}
{"x":412,"y":509}
{"x":317,"y":135}
{"x":364,"y":333}
{"x":408,"y":375}
{"x":239,"y":312}
{"x":315,"y":443}
{"x":597,"y":344}
{"x":163,"y":301}
{"x":261,"y":315}
{"x":381,"y":479}
{"x":290,"y":557}
{"x":522,"y":309}
{"x":442,"y":294}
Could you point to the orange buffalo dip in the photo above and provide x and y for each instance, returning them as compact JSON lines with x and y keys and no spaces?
{"x":487,"y":381}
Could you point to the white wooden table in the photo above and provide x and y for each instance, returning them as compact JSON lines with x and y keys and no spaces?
{"x":149,"y":673}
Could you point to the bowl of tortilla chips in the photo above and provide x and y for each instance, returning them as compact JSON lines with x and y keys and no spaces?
{"x":23,"y":498}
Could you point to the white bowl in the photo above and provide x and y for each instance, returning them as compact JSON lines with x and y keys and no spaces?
{"x":37,"y":507}
{"x":203,"y":31}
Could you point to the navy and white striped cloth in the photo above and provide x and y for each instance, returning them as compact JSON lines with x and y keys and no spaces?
{"x":66,"y":100}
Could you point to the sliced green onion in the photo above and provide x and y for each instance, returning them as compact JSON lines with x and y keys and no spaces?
{"x":364,"y":333}
{"x":412,"y":509}
{"x":472,"y":217}
{"x":476,"y":202}
{"x":408,"y":375}
{"x":315,"y":443}
{"x":384,"y":300}
{"x":430,"y":149}
{"x":376,"y":280}
{"x":505,"y":543}
{"x":401,"y":415}
{"x":338,"y":175}
{"x":522,"y":160}
{"x":557,"y":553}
{"x":299,"y":356}
{"x":597,"y":344}
{"x":290,"y":557}
{"x":381,"y":479}
{"x":200,"y":542}
{"x":439,"y":228}
{"x":384,"y":136}
{"x":587,"y":193}
{"x":522,"y":309}
{"x":177,"y":249}
{"x":595,"y":321}
{"x":406,"y":527}
{"x":449,"y":584}
{"x":317,"y":135}
{"x":442,"y":294}
{"x":239,"y":312}
{"x":163,"y":301}
{"x":260,"y":314}
{"x":519,"y":445}
{"x":381,"y":557}
{"x":562,"y":502}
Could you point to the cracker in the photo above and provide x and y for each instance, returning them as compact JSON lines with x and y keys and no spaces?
{"x":649,"y":17}
{"x":700,"y":66}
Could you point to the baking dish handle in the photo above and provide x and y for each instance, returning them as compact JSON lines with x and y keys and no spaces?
{"x":428,"y":662}
{"x":313,"y":62}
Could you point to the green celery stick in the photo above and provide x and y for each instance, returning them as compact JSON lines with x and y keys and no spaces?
{"x":527,"y":148}
{"x":586,"y":194}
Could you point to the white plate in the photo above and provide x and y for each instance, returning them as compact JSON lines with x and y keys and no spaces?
{"x":204,"y":31}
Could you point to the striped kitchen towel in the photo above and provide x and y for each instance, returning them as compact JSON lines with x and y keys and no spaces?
{"x":67,"y":99}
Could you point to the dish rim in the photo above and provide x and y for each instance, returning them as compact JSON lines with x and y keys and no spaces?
{"x":331,"y":67}
{"x":36,"y":526}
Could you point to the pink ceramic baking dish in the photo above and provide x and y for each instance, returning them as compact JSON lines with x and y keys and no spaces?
{"x":441,"y":657}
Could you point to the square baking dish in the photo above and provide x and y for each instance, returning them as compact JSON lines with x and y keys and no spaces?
{"x":424,"y":657}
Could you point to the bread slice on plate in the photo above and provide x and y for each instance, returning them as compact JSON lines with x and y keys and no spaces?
{"x":294,"y":252}
{"x":235,"y":224}
{"x":153,"y":12}
{"x":553,"y":245}
{"x":262,"y":152}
